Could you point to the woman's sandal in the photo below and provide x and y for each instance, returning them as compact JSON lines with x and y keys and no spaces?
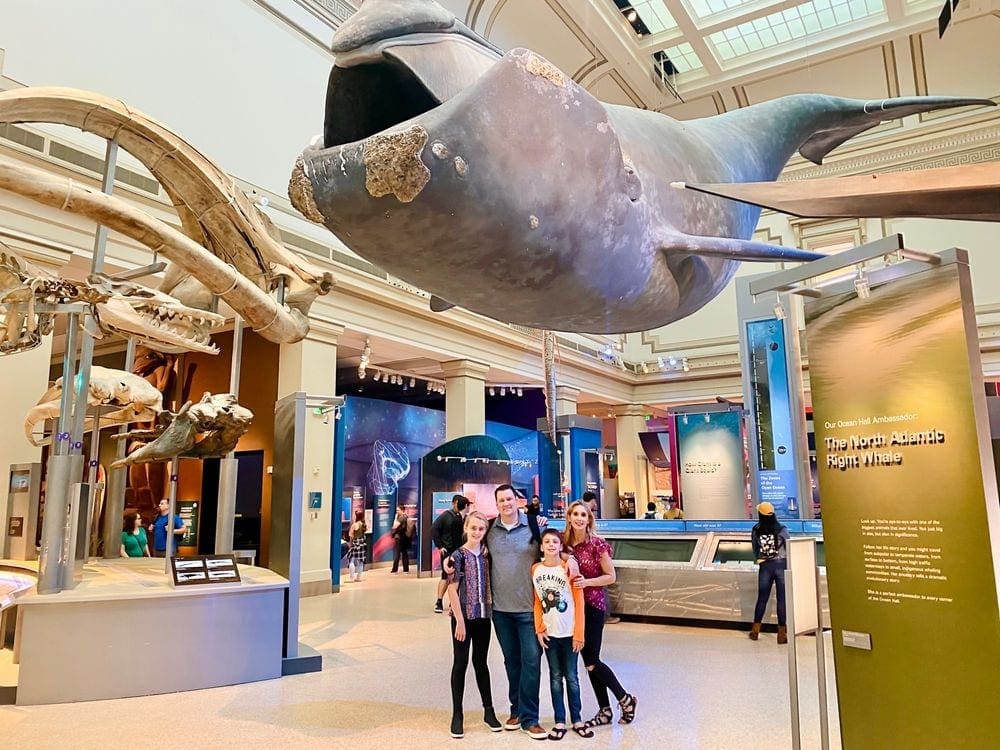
{"x":601,"y":718}
{"x":627,"y":704}
{"x":557,"y":733}
{"x":583,"y":731}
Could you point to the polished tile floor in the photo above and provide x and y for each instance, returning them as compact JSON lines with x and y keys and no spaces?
{"x":384,"y":684}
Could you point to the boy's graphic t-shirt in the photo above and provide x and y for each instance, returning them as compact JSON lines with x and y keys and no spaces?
{"x":558,"y":606}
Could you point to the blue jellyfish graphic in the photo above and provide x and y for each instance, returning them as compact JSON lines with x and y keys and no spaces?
{"x":390,"y":463}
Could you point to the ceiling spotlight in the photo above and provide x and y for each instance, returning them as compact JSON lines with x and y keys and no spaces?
{"x":378,"y":377}
{"x":493,"y":391}
{"x":413,"y":382}
{"x":779,"y":310}
{"x":684,"y":365}
{"x":685,"y":419}
{"x":672,"y":361}
{"x":644,"y":368}
{"x":660,"y":363}
{"x":503,"y":391}
{"x":632,"y":15}
{"x":861,"y":285}
{"x":520,"y":391}
{"x":361,"y":374}
{"x":708,"y":417}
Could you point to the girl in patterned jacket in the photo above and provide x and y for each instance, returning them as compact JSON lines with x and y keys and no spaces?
{"x":471,"y":608}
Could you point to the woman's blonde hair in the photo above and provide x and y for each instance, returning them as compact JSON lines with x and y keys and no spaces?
{"x":568,"y":531}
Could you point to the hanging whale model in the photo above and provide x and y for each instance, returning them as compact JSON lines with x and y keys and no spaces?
{"x":497,"y":183}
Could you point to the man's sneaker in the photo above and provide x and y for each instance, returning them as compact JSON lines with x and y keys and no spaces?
{"x":457,"y":730}
{"x":491,"y":720}
{"x":536,"y":732}
{"x":438,"y":607}
{"x":512,"y":723}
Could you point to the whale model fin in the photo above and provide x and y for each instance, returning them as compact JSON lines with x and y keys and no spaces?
{"x":871,"y":113}
{"x":732,"y":249}
{"x":440,"y":305}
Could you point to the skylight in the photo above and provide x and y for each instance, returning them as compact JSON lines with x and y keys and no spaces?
{"x":705,"y":8}
{"x":787,"y":25}
{"x":683,"y":58}
{"x":654,"y":15}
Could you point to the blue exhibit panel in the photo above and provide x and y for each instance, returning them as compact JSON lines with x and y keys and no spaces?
{"x":633,"y":526}
{"x":581,"y":439}
{"x":771,"y":405}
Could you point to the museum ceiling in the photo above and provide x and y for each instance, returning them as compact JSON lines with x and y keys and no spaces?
{"x":696,"y":58}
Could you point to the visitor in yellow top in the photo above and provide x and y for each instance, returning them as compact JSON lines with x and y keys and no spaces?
{"x":559,"y":626}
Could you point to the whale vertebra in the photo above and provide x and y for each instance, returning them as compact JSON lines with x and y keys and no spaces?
{"x":500,"y":185}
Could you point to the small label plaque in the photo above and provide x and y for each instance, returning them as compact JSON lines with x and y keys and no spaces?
{"x":854,"y":639}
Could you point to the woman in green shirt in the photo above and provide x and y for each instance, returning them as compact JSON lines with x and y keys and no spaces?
{"x":134,"y":542}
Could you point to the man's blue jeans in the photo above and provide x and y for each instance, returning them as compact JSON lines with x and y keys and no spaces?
{"x":522,"y":658}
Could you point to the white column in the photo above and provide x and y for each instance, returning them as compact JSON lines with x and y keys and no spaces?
{"x":630,"y":421}
{"x":566,"y":399}
{"x":310,"y":366}
{"x":465,"y":398}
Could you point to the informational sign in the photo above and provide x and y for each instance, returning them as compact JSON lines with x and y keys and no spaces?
{"x":20,"y":481}
{"x":442,"y":502}
{"x":315,"y":500}
{"x":712,"y":470}
{"x":384,"y":514}
{"x":204,"y":569}
{"x":15,"y":526}
{"x":188,"y":511}
{"x":773,"y":416}
{"x":909,"y":509}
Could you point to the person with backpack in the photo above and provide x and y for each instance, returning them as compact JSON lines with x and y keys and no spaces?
{"x":769,"y":538}
{"x":359,"y":546}
{"x":401,"y":541}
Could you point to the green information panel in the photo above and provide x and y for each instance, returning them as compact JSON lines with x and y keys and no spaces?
{"x":188,"y":511}
{"x":908,"y":503}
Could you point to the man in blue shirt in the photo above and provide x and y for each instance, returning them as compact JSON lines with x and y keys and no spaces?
{"x":159,"y":529}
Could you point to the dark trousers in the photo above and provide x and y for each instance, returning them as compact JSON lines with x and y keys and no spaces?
{"x":402,"y":550}
{"x":562,"y":669}
{"x":770,"y":572}
{"x":522,"y":660}
{"x":602,"y":679}
{"x":477,"y":639}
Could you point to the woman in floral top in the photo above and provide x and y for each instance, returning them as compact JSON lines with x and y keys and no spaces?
{"x":597,"y":572}
{"x":469,"y":597}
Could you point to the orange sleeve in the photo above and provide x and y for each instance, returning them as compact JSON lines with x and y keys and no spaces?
{"x":539,"y":624}
{"x":578,"y":605}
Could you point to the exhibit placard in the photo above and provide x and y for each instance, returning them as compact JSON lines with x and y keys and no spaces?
{"x":204,"y":569}
{"x":909,"y":501}
{"x":712,"y":467}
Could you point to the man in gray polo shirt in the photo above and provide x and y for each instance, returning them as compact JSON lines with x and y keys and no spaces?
{"x":512,"y":552}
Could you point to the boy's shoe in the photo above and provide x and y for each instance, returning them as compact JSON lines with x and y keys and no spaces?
{"x":512,"y":723}
{"x":536,"y":732}
{"x":491,"y":720}
{"x":457,"y":730}
{"x":438,"y":607}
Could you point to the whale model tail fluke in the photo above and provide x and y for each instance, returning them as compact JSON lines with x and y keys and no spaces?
{"x":859,"y":116}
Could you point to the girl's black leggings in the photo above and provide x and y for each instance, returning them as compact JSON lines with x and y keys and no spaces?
{"x":477,"y":640}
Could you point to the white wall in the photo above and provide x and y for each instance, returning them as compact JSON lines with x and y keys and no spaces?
{"x":243,"y":88}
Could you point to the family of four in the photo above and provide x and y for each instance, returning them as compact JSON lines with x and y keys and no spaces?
{"x":541,"y":592}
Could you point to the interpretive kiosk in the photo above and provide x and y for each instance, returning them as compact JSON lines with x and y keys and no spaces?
{"x":910,"y":514}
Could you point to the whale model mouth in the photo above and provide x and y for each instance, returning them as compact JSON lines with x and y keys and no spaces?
{"x":385,"y":82}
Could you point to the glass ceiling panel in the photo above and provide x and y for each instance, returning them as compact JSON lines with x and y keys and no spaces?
{"x":788,"y":25}
{"x":655,"y":15}
{"x":684,"y":58}
{"x":705,"y":8}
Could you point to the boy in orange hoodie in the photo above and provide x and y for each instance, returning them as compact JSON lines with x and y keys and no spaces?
{"x":559,"y":626}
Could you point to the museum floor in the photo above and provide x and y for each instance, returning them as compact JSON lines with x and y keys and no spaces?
{"x":385,"y":684}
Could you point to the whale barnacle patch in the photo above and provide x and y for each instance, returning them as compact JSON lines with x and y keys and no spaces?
{"x":393,"y":164}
